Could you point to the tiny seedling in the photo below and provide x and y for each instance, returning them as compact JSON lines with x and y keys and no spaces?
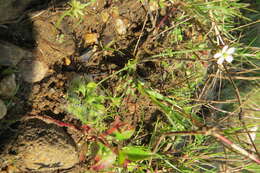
{"x":75,"y":11}
{"x":85,"y":102}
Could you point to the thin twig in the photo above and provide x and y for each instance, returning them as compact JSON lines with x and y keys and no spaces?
{"x":236,"y":90}
{"x":213,"y":101}
{"x":216,"y":133}
{"x":174,"y":26}
{"x":236,"y":147}
{"x":246,"y":25}
{"x":137,"y":44}
{"x":220,"y":110}
{"x":245,"y":71}
{"x":236,"y":77}
{"x":240,"y":107}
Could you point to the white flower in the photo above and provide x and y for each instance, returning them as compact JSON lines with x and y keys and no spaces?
{"x":225,"y":54}
{"x":252,"y":134}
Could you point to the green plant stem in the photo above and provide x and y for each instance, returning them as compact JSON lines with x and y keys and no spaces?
{"x":119,"y":71}
{"x":67,"y":13}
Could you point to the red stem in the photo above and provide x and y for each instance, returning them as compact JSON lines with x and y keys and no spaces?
{"x":165,"y":18}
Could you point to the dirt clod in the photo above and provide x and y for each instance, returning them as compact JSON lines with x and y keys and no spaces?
{"x":52,"y":46}
{"x":40,"y":146}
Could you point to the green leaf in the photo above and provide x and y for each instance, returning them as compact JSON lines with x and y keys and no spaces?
{"x":121,"y":157}
{"x":124,"y":135}
{"x":155,"y":94}
{"x":135,"y":153}
{"x":91,"y":86}
{"x":82,"y":89}
{"x":100,"y":107}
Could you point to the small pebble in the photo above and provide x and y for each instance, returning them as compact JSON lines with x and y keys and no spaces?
{"x":3,"y":109}
{"x":8,"y":86}
{"x":91,"y":38}
{"x":120,"y":27}
{"x":67,"y":61}
{"x":33,"y":71}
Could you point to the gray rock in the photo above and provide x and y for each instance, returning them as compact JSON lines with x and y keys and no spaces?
{"x":11,"y":55}
{"x":33,"y":71}
{"x":8,"y":86}
{"x":3,"y":109}
{"x":12,"y":9}
{"x":39,"y":146}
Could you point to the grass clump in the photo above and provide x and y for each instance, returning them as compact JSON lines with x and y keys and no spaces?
{"x":190,"y":93}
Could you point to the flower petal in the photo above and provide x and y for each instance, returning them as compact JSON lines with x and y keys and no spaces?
{"x":220,"y":60}
{"x":225,"y":48}
{"x":217,"y":55}
{"x":231,"y":50}
{"x":229,"y":58}
{"x":252,"y":134}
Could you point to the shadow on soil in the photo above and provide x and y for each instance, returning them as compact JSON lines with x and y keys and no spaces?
{"x":17,"y":42}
